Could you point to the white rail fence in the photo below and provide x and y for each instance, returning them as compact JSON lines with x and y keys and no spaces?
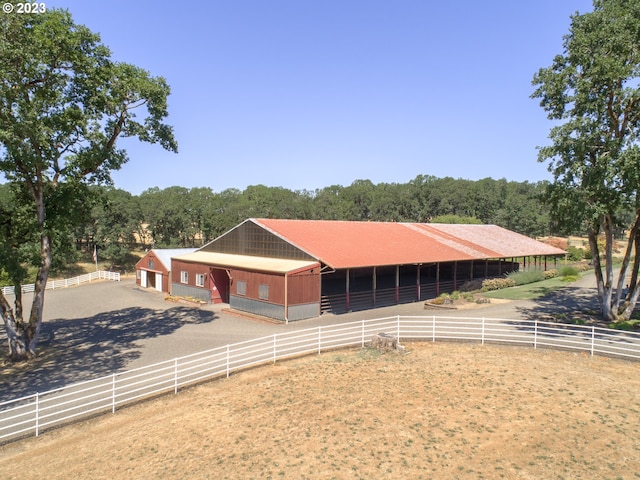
{"x":33,"y":414}
{"x":67,"y":282}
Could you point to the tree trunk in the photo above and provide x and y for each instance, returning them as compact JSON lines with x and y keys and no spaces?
{"x":32,"y":331}
{"x":604,"y":285}
{"x":13,"y":328}
{"x":23,"y":336}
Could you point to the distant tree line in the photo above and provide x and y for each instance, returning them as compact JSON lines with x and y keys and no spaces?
{"x":189,"y":217}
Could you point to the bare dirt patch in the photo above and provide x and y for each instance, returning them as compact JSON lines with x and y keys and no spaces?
{"x":440,"y":410}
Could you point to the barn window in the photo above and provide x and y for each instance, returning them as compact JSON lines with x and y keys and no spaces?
{"x":241,"y":288}
{"x":184,"y":277}
{"x":199,"y":279}
{"x":263,"y":292}
{"x":152,"y":264}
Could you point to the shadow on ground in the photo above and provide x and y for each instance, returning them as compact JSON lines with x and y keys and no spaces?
{"x":567,"y":304}
{"x":71,"y":351}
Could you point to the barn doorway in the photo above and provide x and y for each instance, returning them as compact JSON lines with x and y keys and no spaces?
{"x":219,"y":285}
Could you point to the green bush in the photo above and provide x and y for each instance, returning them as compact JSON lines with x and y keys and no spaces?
{"x":530,"y":276}
{"x":553,"y":273}
{"x":575,"y":254}
{"x":497,"y":283}
{"x":569,"y":271}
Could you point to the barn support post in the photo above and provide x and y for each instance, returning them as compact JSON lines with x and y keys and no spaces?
{"x":455,"y":276}
{"x":418,"y":283}
{"x":397,"y":284}
{"x":438,"y":279}
{"x":471,"y":271}
{"x":347,"y":298}
{"x":375,"y":286}
{"x":486,"y":267}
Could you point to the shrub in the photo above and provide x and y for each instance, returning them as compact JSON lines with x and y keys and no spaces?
{"x":523,"y":278}
{"x":553,"y":273}
{"x":568,"y":271}
{"x":497,"y":283}
{"x":471,"y":285}
{"x":575,"y":254}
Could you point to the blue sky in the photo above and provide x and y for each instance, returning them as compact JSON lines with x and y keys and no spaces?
{"x":305,"y":94}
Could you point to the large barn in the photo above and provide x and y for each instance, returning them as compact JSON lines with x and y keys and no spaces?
{"x":297,"y":269}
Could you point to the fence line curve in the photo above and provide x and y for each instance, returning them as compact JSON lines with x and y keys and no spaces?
{"x":31,"y":415}
{"x":67,"y":282}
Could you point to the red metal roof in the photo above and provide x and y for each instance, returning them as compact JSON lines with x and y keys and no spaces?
{"x":344,"y":244}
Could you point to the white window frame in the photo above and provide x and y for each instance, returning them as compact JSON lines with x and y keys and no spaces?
{"x":263,"y":292}
{"x":184,"y":276}
{"x":199,"y":279}
{"x":241,"y":287}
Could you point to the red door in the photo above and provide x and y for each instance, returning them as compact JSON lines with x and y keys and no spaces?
{"x":219,"y":284}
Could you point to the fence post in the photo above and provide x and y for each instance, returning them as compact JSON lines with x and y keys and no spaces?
{"x":398,"y":327}
{"x":535,"y":334}
{"x":593,"y":339}
{"x":113,"y":393}
{"x":275,"y":336}
{"x":319,"y":340}
{"x":37,"y":413}
{"x":482,"y":330}
{"x":433,"y":328}
{"x":228,"y":361}
{"x":362,"y":331}
{"x":175,"y":376}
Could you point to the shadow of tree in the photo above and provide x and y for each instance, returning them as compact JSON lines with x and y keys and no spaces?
{"x":566,"y":305}
{"x":75,"y":350}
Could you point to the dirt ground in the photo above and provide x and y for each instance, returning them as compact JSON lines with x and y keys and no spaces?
{"x":439,"y":410}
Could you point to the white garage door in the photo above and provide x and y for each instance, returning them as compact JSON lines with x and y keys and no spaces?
{"x":159,"y":282}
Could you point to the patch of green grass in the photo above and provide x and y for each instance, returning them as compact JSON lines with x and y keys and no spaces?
{"x":524,"y":278}
{"x":529,"y":291}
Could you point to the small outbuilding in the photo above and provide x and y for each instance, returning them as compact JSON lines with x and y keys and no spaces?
{"x":154,"y":269}
{"x":297,"y":269}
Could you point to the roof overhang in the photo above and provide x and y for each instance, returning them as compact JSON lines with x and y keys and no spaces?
{"x":248,"y":262}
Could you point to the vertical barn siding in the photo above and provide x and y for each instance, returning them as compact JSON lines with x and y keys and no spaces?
{"x":256,"y":307}
{"x":304,"y":287}
{"x":254,"y":279}
{"x":192,"y":269}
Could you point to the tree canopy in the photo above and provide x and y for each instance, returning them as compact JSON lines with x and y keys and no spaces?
{"x":63,"y":105}
{"x":592,"y":92}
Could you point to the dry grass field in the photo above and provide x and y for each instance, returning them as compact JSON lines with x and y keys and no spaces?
{"x":440,"y":410}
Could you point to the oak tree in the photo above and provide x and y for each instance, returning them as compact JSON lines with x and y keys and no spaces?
{"x":592,"y":93}
{"x":64,"y":103}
